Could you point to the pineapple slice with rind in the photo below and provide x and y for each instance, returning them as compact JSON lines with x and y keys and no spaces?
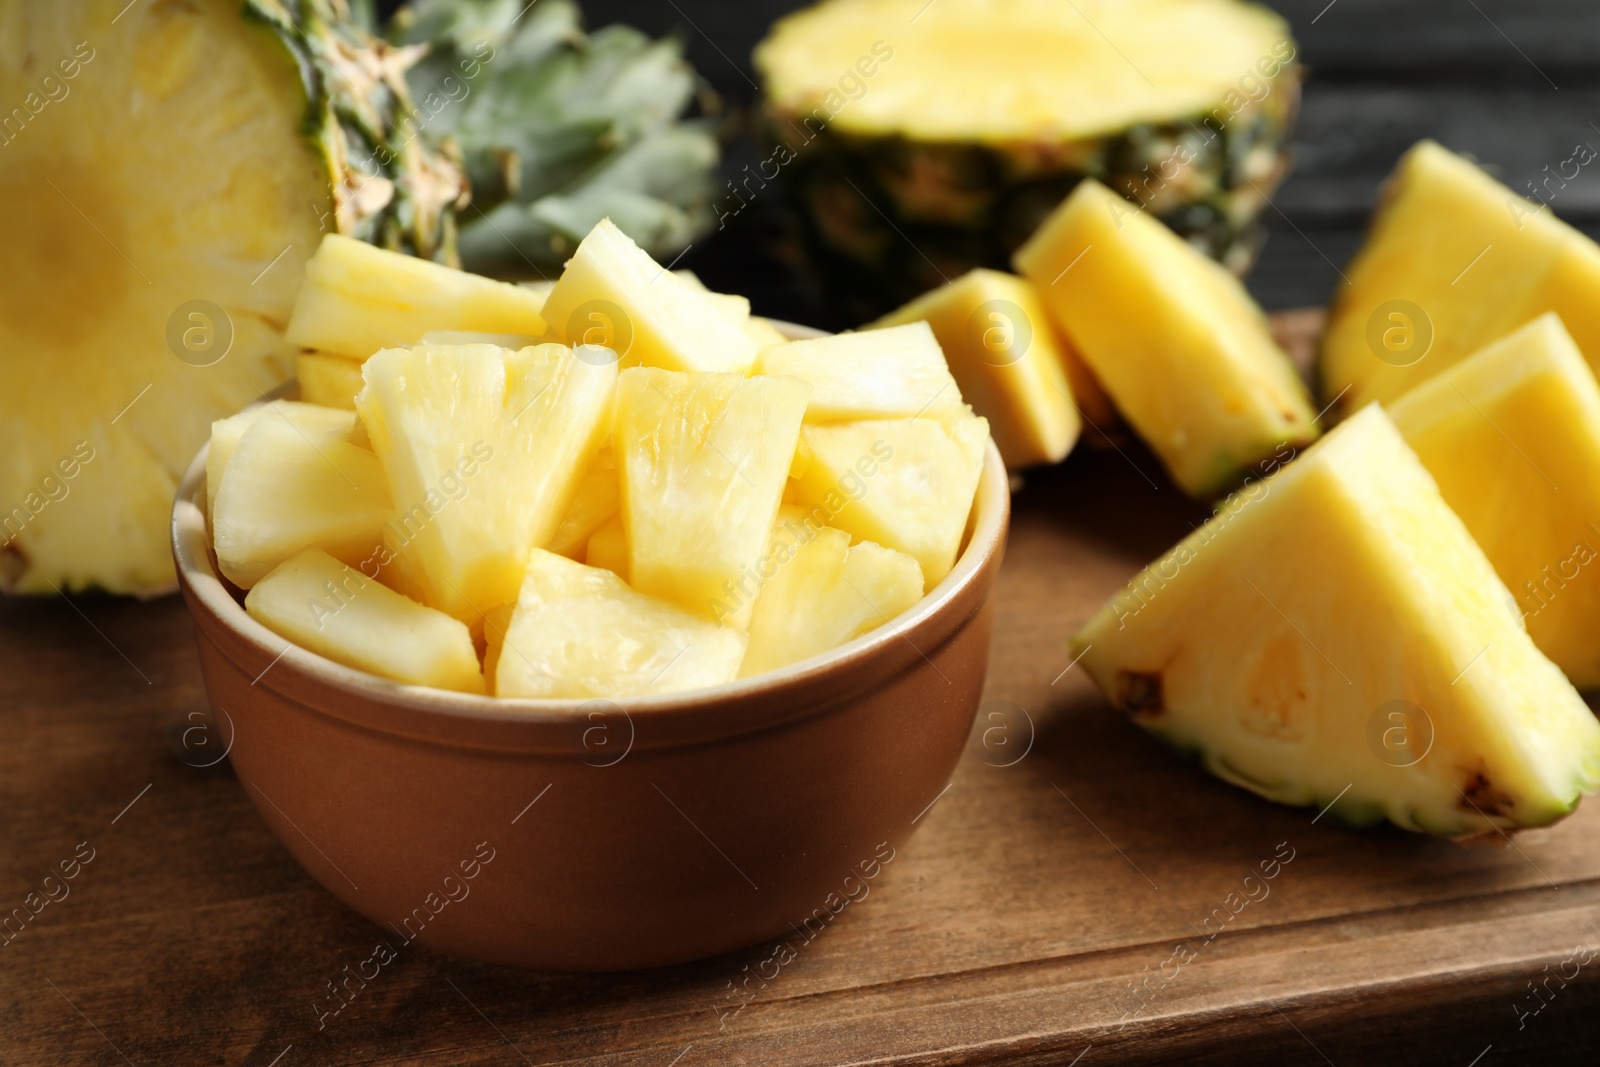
{"x":318,"y":423}
{"x":1390,"y":678}
{"x":702,"y":461}
{"x":597,"y":499}
{"x":357,"y":299}
{"x":1172,"y":336}
{"x":613,"y":295}
{"x":1512,"y":436}
{"x":896,"y":373}
{"x":320,"y":604}
{"x":331,"y":381}
{"x":580,"y":632}
{"x":608,"y":547}
{"x":483,"y":448}
{"x":1001,"y":348}
{"x":906,"y":484}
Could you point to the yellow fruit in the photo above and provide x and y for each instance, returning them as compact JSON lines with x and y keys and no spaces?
{"x":1174,"y":338}
{"x":1512,"y":436}
{"x":579,"y":632}
{"x":496,"y":622}
{"x":1001,"y":348}
{"x":357,"y":299}
{"x":479,"y":337}
{"x":1333,"y":636}
{"x":608,"y":547}
{"x":483,"y":448}
{"x":318,"y":603}
{"x":328,"y":380}
{"x":764,"y":331}
{"x":597,"y":499}
{"x":896,"y":373}
{"x":318,"y":423}
{"x":734,"y":308}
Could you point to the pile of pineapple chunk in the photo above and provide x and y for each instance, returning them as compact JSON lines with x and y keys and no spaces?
{"x":615,"y":485}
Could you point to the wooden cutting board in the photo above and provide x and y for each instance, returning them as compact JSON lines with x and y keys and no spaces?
{"x":1054,"y":907}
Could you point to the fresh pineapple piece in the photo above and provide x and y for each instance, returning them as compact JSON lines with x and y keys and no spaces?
{"x":540,"y":289}
{"x":608,"y":547}
{"x":579,"y":632}
{"x":1173,"y":337}
{"x":328,"y":380}
{"x":1454,"y":261}
{"x":702,"y":460}
{"x":1512,"y":436}
{"x":1335,"y":637}
{"x":479,"y":337}
{"x":1002,"y":351}
{"x":357,"y":299}
{"x":318,"y":423}
{"x":734,"y":308}
{"x":483,"y":448}
{"x":764,"y":331}
{"x":897,"y":373}
{"x":597,"y":499}
{"x":822,"y":592}
{"x":320,"y":604}
{"x":906,"y":484}
{"x":283,"y":490}
{"x":613,"y":295}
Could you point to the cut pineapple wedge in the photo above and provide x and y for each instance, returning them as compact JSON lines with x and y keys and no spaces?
{"x":613,"y":295}
{"x":734,"y":308}
{"x":358,"y":299}
{"x":318,"y":423}
{"x":328,"y":380}
{"x":819,"y":591}
{"x":579,"y":632}
{"x":764,"y":331}
{"x":319,"y":603}
{"x":1172,"y":336}
{"x":597,"y":499}
{"x":702,"y":460}
{"x":906,"y":484}
{"x":283,"y":491}
{"x":1512,"y":436}
{"x":1391,"y":678}
{"x":1001,"y":347}
{"x":483,"y":448}
{"x":608,"y":547}
{"x":896,"y":373}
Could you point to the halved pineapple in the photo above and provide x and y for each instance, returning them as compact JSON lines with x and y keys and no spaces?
{"x":328,"y":380}
{"x":284,"y":489}
{"x":907,"y":484}
{"x":358,"y":299}
{"x":317,"y":422}
{"x":1391,"y":679}
{"x":1174,"y":338}
{"x":580,"y":632}
{"x":596,"y":499}
{"x":319,"y":603}
{"x":608,"y":547}
{"x":896,"y":373}
{"x":1001,"y":347}
{"x":702,"y":460}
{"x":483,"y":448}
{"x":613,"y":295}
{"x":822,"y":591}
{"x":1512,"y":436}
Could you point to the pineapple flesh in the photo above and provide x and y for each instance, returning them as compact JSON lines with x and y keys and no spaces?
{"x":897,"y":373}
{"x":1335,"y":637}
{"x":317,"y":422}
{"x":597,"y":499}
{"x":1175,"y":340}
{"x":329,"y":380}
{"x":608,"y":547}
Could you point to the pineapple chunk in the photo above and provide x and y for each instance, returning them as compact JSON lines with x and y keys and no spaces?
{"x":540,"y":289}
{"x":702,"y":460}
{"x":1002,"y":350}
{"x":357,"y":299}
{"x":614,"y":295}
{"x":579,"y":632}
{"x":483,"y":448}
{"x":596,"y":500}
{"x":479,"y":337}
{"x":1172,"y":336}
{"x":319,"y":423}
{"x":898,"y":373}
{"x":822,"y":592}
{"x":608,"y":547}
{"x":734,"y":308}
{"x":764,"y":331}
{"x":283,"y":491}
{"x":328,"y":380}
{"x":320,"y":604}
{"x":1512,"y":436}
{"x":1390,"y":678}
{"x":907,"y":484}
{"x":1455,"y":261}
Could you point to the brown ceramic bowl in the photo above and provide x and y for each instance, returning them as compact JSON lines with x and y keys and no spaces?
{"x":599,"y":836}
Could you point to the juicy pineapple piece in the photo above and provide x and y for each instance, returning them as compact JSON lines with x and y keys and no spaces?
{"x":1002,"y":350}
{"x":1455,"y":261}
{"x":906,"y":484}
{"x":614,"y":295}
{"x":283,"y":490}
{"x":540,"y":289}
{"x":702,"y":460}
{"x":1334,"y":636}
{"x":318,"y":423}
{"x":483,"y":448}
{"x":597,"y":499}
{"x":1512,"y":436}
{"x":319,"y":603}
{"x":579,"y":632}
{"x":734,"y":308}
{"x":897,"y":373}
{"x":480,"y":337}
{"x":822,"y":591}
{"x":358,"y":299}
{"x":329,"y":380}
{"x":1174,"y":338}
{"x":608,"y":547}
{"x":764,"y":331}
